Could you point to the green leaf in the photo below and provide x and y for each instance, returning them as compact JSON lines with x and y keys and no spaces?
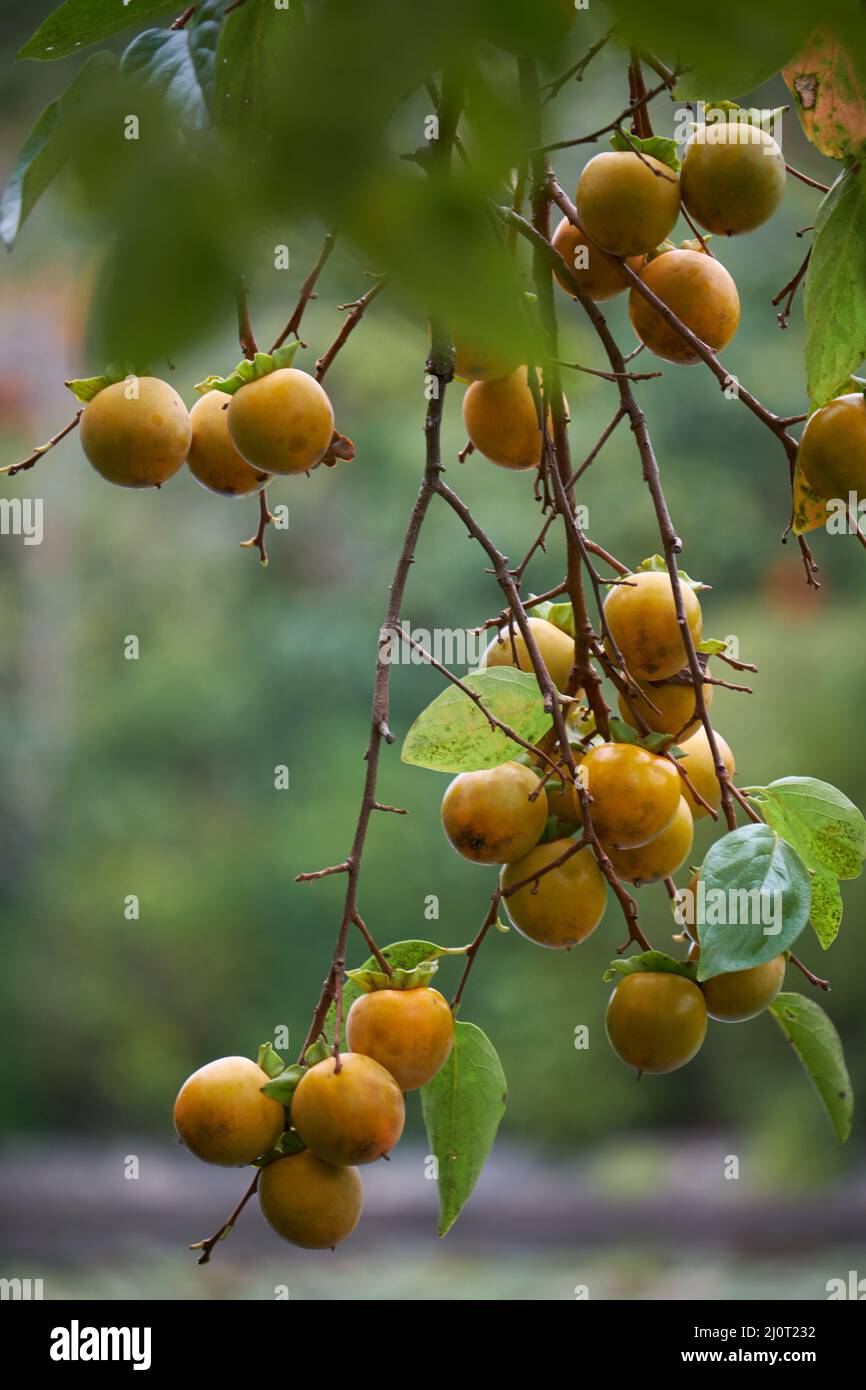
{"x":813,"y":1037}
{"x":78,"y":23}
{"x":659,"y":565}
{"x":751,"y":881}
{"x":253,"y":55}
{"x":283,"y":1086}
{"x":560,"y":614}
{"x":415,"y":978}
{"x":835,"y":289}
{"x":657,"y":147}
{"x":85,"y":388}
{"x":161,"y":59}
{"x":621,"y":732}
{"x":290,"y":1142}
{"x":453,"y":735}
{"x":204,"y":31}
{"x":462,"y":1108}
{"x":270,"y":1060}
{"x":829,"y":834}
{"x":46,"y":148}
{"x":400,"y":955}
{"x":654,"y":962}
{"x":711,"y":646}
{"x":250,"y":370}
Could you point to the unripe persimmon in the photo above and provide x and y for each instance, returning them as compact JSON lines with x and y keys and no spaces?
{"x":410,"y":1032}
{"x":642,"y":617}
{"x":494,"y":815}
{"x":136,"y":433}
{"x":213,"y":458}
{"x":555,"y":647}
{"x":502,"y":421}
{"x":661,"y":857}
{"x":310,"y":1203}
{"x":475,"y":361}
{"x":667,"y":707}
{"x":354,"y":1115}
{"x":634,"y":793}
{"x":733,"y":177}
{"x":565,"y":905}
{"x":628,"y":203}
{"x":700,"y":769}
{"x":595,"y":274}
{"x":832,"y":453}
{"x":281,"y":423}
{"x":742,"y":994}
{"x":699,"y":291}
{"x":656,"y":1022}
{"x":222,"y":1116}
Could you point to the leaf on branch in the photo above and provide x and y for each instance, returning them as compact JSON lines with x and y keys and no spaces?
{"x":252,"y":58}
{"x":560,"y":614}
{"x":453,"y":735}
{"x":78,"y":23}
{"x":828,"y":82}
{"x":462,"y":1108}
{"x":834,"y":295}
{"x":161,"y":59}
{"x":754,"y":897}
{"x":204,"y":31}
{"x":829,"y":834}
{"x":283,"y":1086}
{"x":656,"y":962}
{"x":270,"y":1060}
{"x":47,"y":148}
{"x":813,"y":1037}
{"x":621,"y":732}
{"x":656,"y":146}
{"x":85,"y":388}
{"x":250,"y":370}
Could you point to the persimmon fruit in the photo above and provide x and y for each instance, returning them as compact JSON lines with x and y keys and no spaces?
{"x":656,"y":1022}
{"x":628,"y":203}
{"x":494,"y":815}
{"x":700,"y":769}
{"x":634,"y":793}
{"x":502,"y":421}
{"x":641,"y":615}
{"x":699,"y":291}
{"x":310,"y":1203}
{"x":733,"y":177}
{"x":350,"y":1116}
{"x":832,"y":452}
{"x":594,"y":272}
{"x":136,"y":433}
{"x":661,"y":857}
{"x":564,"y":906}
{"x":282,"y":422}
{"x":222,"y":1116}
{"x":555,"y":647}
{"x":213,"y":459}
{"x":410,"y":1032}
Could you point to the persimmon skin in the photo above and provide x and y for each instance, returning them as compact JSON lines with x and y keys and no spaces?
{"x":222,"y":1116}
{"x":488,"y":816}
{"x":476,"y":362}
{"x":674,"y":711}
{"x":661,"y":857}
{"x":656,"y":1022}
{"x":642,"y":617}
{"x":701,"y":293}
{"x":555,"y":647}
{"x":502,"y":421}
{"x":832,"y":452}
{"x":213,"y":459}
{"x":281,"y":423}
{"x":634,"y":793}
{"x":310,"y":1203}
{"x":350,"y":1116}
{"x":599,"y":278}
{"x":568,"y":902}
{"x":700,"y":769}
{"x":628,"y":203}
{"x":739,"y":995}
{"x":410,"y":1032}
{"x":136,"y":440}
{"x":733,"y":177}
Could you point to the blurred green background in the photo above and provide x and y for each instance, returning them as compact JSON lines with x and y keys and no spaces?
{"x":155,"y":777}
